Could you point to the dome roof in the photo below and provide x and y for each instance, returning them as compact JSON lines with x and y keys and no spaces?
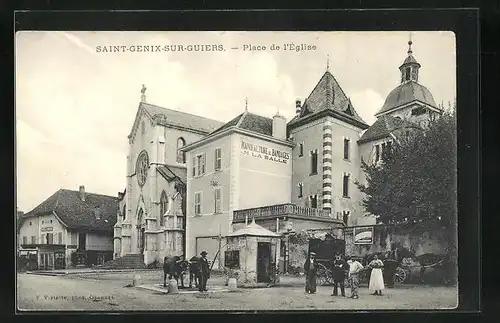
{"x":406,"y":93}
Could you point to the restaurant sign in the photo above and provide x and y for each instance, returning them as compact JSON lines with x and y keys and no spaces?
{"x":265,"y":153}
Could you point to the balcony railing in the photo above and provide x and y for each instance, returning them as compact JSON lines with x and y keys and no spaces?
{"x":287,"y":209}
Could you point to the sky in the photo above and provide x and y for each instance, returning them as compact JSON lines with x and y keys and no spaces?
{"x":75,"y":105}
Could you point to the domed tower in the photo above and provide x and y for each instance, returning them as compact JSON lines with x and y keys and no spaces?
{"x":410,"y":100}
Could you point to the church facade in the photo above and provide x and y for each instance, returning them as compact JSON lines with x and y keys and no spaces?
{"x":191,"y":180}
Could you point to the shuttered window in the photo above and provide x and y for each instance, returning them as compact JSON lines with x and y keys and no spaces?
{"x":218,"y":159}
{"x":217,"y":199}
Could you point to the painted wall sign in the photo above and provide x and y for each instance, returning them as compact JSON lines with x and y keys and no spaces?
{"x":265,"y":153}
{"x":46,"y":229}
{"x":363,"y":235}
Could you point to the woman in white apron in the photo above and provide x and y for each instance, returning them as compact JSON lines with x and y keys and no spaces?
{"x":376,"y":278}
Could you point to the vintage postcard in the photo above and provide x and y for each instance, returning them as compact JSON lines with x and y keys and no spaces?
{"x":208,"y":170}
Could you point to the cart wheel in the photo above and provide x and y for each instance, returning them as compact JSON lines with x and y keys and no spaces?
{"x":400,"y":275}
{"x":320,"y":280}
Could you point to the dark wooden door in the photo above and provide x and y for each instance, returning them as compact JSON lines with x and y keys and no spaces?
{"x":263,"y":262}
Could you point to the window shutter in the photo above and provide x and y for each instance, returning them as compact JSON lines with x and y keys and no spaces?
{"x":204,"y":162}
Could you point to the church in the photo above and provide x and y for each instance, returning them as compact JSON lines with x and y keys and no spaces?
{"x":191,"y":180}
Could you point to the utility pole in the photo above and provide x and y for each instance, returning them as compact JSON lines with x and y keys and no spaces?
{"x":220,"y":240}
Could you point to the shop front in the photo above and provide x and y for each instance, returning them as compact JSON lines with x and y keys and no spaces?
{"x":51,"y":257}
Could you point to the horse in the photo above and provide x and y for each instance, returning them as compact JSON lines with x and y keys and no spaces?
{"x":437,"y":261}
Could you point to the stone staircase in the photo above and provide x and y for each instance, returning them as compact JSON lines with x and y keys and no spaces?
{"x":131,"y":261}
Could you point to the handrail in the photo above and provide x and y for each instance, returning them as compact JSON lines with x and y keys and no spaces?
{"x":281,"y":210}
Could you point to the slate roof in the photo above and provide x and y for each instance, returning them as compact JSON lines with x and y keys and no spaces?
{"x":251,"y":122}
{"x":182,"y":119}
{"x":172,"y":172}
{"x":383,"y":126}
{"x":410,"y":60}
{"x":318,"y":101}
{"x":77,"y":214}
{"x":406,"y":93}
{"x":253,"y":229}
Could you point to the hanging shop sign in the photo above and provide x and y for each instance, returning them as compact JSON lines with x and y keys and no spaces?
{"x":262,"y":152}
{"x":363,"y":235}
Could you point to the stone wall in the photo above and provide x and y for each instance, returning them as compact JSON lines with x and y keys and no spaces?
{"x":298,"y":245}
{"x":415,"y":239}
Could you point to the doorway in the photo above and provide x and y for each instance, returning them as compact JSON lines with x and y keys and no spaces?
{"x":82,"y":241}
{"x":263,"y":262}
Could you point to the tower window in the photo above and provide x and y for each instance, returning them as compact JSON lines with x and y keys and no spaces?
{"x":345,"y":186}
{"x":301,"y":149}
{"x":346,"y":149}
{"x":407,"y":73}
{"x":301,"y":186}
{"x":314,"y":201}
{"x":377,"y":153}
{"x":314,"y":162}
{"x":143,"y":128}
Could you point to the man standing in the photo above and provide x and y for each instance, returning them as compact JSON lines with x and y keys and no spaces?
{"x":390,"y":265}
{"x":311,"y":268}
{"x":204,"y":272}
{"x":355,"y":269}
{"x":340,"y":268}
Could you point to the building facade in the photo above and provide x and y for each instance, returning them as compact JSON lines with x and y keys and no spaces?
{"x":151,"y":221}
{"x":70,"y":229}
{"x":191,"y":181}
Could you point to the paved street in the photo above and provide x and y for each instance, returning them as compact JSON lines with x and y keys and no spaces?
{"x":107,"y":292}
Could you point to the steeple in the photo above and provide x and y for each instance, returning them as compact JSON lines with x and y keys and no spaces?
{"x":329,"y":94}
{"x":410,"y":66}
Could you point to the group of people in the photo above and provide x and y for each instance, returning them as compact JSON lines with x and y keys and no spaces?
{"x":198,"y":267}
{"x":346,"y":268}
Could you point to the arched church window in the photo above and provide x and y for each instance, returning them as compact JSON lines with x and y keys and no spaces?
{"x":181,"y":155}
{"x":163,"y":206}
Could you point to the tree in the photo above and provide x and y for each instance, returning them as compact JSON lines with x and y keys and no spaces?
{"x":416,"y":181}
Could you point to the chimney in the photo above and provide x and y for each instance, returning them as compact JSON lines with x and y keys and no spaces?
{"x":82,"y":193}
{"x":120,"y":196}
{"x":297,"y":107}
{"x":279,"y":127}
{"x":97,"y":213}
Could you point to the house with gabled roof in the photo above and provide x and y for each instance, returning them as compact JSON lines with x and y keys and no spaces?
{"x":70,"y":228}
